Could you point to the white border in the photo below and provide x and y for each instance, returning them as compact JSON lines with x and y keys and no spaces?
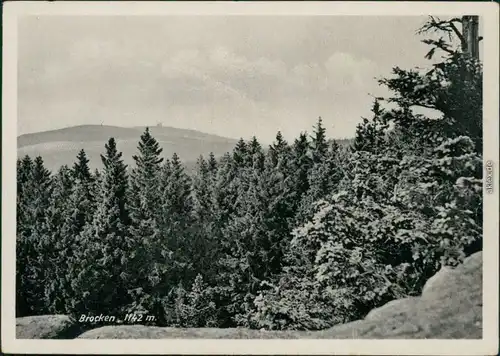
{"x":488,"y":345}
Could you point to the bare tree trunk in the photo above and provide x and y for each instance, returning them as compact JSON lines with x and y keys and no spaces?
{"x":470,"y":33}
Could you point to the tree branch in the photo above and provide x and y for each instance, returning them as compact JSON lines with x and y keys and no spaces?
{"x":447,"y":50}
{"x":458,"y":33}
{"x":427,"y":106}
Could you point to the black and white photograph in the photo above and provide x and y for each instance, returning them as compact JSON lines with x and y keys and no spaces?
{"x":250,"y":177}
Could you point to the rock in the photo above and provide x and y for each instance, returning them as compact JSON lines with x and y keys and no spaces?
{"x":456,"y":297}
{"x":393,"y":309}
{"x":450,"y":307}
{"x":353,"y":330}
{"x":435,"y":281}
{"x":46,"y":327}
{"x":149,"y":332}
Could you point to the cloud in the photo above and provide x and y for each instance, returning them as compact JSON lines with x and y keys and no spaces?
{"x":348,"y":71}
{"x":227,"y":89}
{"x":264,"y":80}
{"x":227,"y":71}
{"x":231,"y":76}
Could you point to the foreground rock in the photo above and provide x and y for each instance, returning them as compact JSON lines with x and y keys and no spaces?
{"x":149,"y":332}
{"x":46,"y":327}
{"x":449,"y":307}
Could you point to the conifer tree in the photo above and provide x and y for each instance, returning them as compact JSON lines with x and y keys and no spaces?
{"x":145,"y":178}
{"x":224,"y":194}
{"x":24,"y":249}
{"x":172,"y":256}
{"x":19,"y":172}
{"x":176,"y":195}
{"x":226,"y":202}
{"x":319,"y":145}
{"x":276,"y":193}
{"x":83,"y":197}
{"x":57,"y":243}
{"x":254,"y":146}
{"x":240,"y":153}
{"x":454,"y":85}
{"x":279,"y":149}
{"x":212,"y":164}
{"x":204,"y":243}
{"x":103,"y":283}
{"x":24,"y":188}
{"x":201,"y":191}
{"x":32,"y":234}
{"x":96,"y":182}
{"x":195,"y":308}
{"x":42,"y":189}
{"x":255,"y":154}
{"x":258,"y":235}
{"x":301,"y":166}
{"x":371,"y":134}
{"x":24,"y":176}
{"x":324,"y":177}
{"x":97,"y":174}
{"x":81,"y":169}
{"x":80,"y":213}
{"x":144,"y":207}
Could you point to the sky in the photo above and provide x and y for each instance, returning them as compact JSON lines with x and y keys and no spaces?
{"x":234,"y":76}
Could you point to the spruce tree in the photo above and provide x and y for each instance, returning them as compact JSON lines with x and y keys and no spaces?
{"x":224,"y":194}
{"x":81,"y":169}
{"x":204,"y":243}
{"x":325,"y":176}
{"x":195,"y":308}
{"x":83,"y":198}
{"x":97,"y":175}
{"x":144,"y":229}
{"x":301,"y":166}
{"x":103,"y":282}
{"x":24,"y":176}
{"x":42,"y":188}
{"x":172,"y":257}
{"x":24,"y":188}
{"x":279,"y":149}
{"x":371,"y":134}
{"x":226,"y":201}
{"x":257,"y":235}
{"x":24,"y":249}
{"x":276,"y":193}
{"x":81,"y":209}
{"x":255,"y":154}
{"x":33,"y":231}
{"x":240,"y":153}
{"x":319,"y":145}
{"x":57,"y":243}
{"x":212,"y":164}
{"x":201,"y":190}
{"x":97,"y":182}
{"x":145,"y":178}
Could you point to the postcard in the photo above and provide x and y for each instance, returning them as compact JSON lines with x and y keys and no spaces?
{"x":250,"y":178}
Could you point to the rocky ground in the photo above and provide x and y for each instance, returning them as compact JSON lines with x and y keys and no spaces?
{"x":450,"y":307}
{"x":47,"y":327}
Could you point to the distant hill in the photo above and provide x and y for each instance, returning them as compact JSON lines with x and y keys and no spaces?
{"x":343,"y":141}
{"x":58,"y":147}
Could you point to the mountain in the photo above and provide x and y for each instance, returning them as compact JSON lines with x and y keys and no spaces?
{"x":58,"y":147}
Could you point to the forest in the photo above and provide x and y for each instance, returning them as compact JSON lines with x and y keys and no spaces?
{"x":299,"y":235}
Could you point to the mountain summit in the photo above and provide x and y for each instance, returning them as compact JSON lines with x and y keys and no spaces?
{"x":58,"y":147}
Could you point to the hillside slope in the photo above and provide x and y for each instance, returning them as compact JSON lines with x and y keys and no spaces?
{"x":60,"y":147}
